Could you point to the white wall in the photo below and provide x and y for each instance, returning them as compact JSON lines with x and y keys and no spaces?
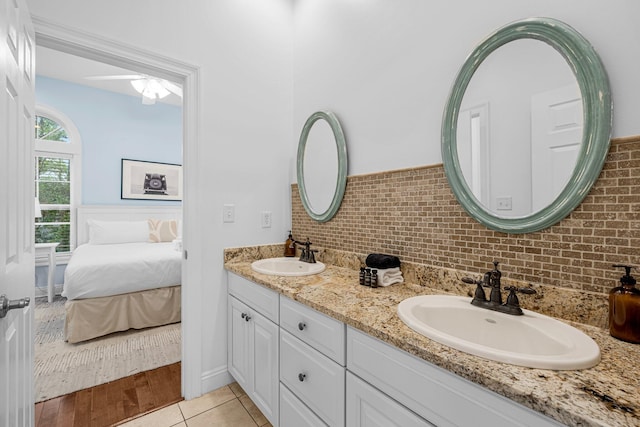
{"x":385,"y":67}
{"x":243,"y":49}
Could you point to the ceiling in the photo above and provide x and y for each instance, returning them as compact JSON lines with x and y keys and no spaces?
{"x":62,"y":66}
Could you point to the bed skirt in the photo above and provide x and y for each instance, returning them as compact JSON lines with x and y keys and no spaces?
{"x":95,"y":317}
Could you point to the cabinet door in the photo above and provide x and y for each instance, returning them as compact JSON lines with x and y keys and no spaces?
{"x":265,"y":380}
{"x":368,"y":407}
{"x":239,"y":343}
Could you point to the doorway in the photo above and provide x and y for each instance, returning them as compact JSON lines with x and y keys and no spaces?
{"x":84,"y":45}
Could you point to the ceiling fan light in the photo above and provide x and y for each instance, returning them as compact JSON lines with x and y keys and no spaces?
{"x":149,"y":93}
{"x":159,"y":89}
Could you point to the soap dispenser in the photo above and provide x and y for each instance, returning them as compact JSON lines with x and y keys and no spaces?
{"x":624,"y":308}
{"x":290,"y":246}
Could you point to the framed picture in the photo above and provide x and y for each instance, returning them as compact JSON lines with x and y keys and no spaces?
{"x":142,"y":180}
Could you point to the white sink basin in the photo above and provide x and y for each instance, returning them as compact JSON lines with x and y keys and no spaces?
{"x":286,"y":267}
{"x":532,"y":340}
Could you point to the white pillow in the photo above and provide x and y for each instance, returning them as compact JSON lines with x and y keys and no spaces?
{"x":111,"y":232}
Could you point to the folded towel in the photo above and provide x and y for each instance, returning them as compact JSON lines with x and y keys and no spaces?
{"x":389,"y":276}
{"x":382,"y":261}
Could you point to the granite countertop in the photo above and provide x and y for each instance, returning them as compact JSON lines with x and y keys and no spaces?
{"x":605,"y":395}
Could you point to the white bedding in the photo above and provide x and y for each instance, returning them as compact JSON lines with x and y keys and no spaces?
{"x":104,"y":270}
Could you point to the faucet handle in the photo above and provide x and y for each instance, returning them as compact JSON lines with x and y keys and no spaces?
{"x":512,"y":298}
{"x":472,"y":281}
{"x":479,"y":295}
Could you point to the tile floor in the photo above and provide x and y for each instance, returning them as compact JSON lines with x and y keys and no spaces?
{"x":227,"y":406}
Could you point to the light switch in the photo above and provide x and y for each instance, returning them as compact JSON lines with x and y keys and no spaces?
{"x":228,"y":213}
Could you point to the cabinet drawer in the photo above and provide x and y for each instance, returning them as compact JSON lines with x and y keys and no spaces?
{"x":440,"y":397}
{"x":313,"y":378}
{"x":294,"y":413}
{"x":320,"y":331}
{"x":369,"y":407}
{"x":261,"y":299}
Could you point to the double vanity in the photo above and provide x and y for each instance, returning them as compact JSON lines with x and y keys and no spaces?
{"x":312,"y":347}
{"x":321,"y":350}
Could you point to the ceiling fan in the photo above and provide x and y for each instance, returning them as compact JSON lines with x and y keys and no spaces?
{"x":151,"y":88}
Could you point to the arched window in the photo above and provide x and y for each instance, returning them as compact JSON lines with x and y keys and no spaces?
{"x":57,"y":178}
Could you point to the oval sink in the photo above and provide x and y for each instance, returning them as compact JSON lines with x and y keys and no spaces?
{"x":532,"y":340}
{"x":286,"y":267}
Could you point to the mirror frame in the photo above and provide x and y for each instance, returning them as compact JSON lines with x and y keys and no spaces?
{"x":597,"y":112}
{"x":341,"y":181}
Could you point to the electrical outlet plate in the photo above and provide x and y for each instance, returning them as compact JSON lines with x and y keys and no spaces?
{"x":265,"y":219}
{"x":503,"y":203}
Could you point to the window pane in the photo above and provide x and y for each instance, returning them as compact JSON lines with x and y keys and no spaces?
{"x":50,"y":130}
{"x":53,"y":169}
{"x":54,"y":193}
{"x":54,"y":233}
{"x":54,"y":215}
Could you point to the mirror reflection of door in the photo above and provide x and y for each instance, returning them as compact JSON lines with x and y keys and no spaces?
{"x":556,"y":135}
{"x":474,"y":150}
{"x":320,"y":166}
{"x":496,"y":150}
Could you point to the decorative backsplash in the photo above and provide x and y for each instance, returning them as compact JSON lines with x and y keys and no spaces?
{"x":413,"y":214}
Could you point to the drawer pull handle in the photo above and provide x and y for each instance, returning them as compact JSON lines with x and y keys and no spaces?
{"x":302,"y":376}
{"x":302,"y":325}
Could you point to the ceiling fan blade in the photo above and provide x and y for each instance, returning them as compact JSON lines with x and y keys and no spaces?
{"x":117,"y":77}
{"x":173,"y":88}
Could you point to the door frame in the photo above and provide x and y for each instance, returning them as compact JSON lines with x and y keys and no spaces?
{"x":72,"y":41}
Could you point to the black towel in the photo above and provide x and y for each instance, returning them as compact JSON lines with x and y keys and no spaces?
{"x":382,"y":261}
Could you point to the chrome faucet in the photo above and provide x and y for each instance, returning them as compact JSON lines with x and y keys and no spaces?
{"x":307,"y":254}
{"x":491,"y":279}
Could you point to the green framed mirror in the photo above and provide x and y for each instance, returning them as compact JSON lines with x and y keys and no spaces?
{"x":522,"y":145}
{"x":322,"y":165}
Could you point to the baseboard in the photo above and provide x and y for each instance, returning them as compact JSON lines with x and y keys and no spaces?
{"x":215,"y":379}
{"x":42,"y":291}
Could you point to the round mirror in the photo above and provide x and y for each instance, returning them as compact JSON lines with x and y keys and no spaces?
{"x":322,"y":165}
{"x":527,"y":126}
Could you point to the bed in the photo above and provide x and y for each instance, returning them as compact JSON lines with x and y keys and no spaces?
{"x":125,"y":271}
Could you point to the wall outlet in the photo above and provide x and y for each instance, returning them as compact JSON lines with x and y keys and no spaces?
{"x":265,"y":219}
{"x":229,"y":213}
{"x":503,"y":203}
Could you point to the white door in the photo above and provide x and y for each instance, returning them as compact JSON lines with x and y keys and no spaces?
{"x":17,"y":73}
{"x":556,"y":135}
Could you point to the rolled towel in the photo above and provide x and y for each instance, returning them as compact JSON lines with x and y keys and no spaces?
{"x":382,"y":261}
{"x":389,"y":276}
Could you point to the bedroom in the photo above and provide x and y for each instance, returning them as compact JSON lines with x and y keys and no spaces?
{"x":103,"y":124}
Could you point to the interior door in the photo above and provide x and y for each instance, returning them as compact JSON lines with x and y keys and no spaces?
{"x":17,"y":74}
{"x":556,"y":135}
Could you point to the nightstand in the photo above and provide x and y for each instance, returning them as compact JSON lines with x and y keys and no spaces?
{"x":48,"y":250}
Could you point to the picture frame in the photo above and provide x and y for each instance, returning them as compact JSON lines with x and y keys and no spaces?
{"x":146,"y":180}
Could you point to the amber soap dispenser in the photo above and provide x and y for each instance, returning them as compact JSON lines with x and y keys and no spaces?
{"x":290,"y":246}
{"x":624,"y":308}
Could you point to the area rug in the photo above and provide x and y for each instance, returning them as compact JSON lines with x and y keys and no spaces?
{"x":61,"y":368}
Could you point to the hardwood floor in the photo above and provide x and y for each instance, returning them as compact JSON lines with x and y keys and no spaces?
{"x":111,"y":403}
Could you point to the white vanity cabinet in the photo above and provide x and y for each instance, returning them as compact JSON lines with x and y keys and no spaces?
{"x":304,"y":368}
{"x":438,"y":396}
{"x":312,"y":355}
{"x":252,"y":350}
